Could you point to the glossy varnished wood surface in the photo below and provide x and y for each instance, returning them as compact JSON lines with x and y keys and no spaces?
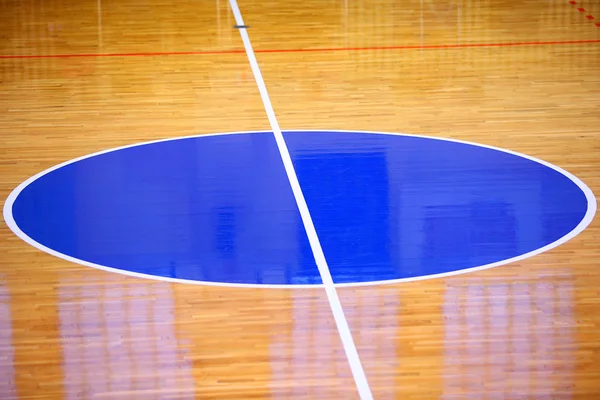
{"x":524,"y":330}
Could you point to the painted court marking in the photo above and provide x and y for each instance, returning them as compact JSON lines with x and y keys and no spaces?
{"x":11,"y":222}
{"x":334,"y":301}
{"x":312,"y":50}
{"x":582,"y":10}
{"x":12,"y":198}
{"x":356,"y":367}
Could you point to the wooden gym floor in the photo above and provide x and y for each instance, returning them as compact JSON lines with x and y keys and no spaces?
{"x":78,"y":77}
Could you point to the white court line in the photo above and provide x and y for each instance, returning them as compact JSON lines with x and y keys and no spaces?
{"x":334,"y":301}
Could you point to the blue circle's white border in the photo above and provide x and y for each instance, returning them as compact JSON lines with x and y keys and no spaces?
{"x":587,"y":219}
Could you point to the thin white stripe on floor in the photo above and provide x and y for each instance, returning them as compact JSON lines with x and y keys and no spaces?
{"x":334,"y":301}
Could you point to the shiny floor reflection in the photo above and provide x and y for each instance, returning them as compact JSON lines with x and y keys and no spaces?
{"x":509,"y":339}
{"x":120,"y":339}
{"x":7,"y":362}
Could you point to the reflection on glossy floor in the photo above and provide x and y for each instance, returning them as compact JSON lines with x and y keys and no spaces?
{"x":85,"y":76}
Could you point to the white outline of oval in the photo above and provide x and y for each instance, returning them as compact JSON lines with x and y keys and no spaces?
{"x":586,"y":220}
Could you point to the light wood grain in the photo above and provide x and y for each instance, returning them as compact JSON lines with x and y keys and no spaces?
{"x":524,"y":330}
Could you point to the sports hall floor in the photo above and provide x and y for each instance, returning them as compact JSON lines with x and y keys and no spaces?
{"x":81,"y":77}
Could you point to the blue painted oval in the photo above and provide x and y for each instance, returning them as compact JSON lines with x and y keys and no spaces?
{"x":219,"y":209}
{"x":399,"y":207}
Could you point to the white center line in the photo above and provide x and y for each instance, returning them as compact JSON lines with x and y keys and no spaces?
{"x":334,"y":301}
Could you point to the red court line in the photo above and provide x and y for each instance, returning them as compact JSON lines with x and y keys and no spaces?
{"x":150,"y":54}
{"x":582,"y":10}
{"x":312,"y":50}
{"x":430,"y":47}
